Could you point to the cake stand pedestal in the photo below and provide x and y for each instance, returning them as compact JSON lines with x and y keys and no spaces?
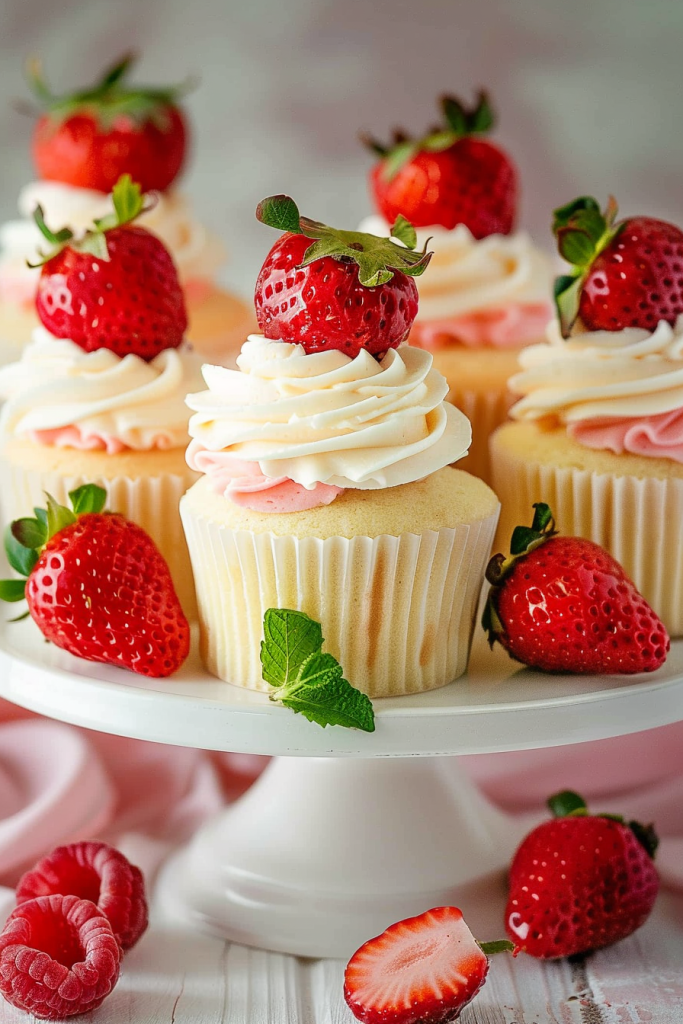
{"x":346,"y":831}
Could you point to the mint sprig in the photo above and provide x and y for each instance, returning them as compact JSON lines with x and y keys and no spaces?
{"x":305,"y":679}
{"x":377,"y":258}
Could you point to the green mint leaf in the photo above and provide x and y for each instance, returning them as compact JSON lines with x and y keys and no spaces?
{"x":58,"y":517}
{"x":290,"y":637}
{"x":317,"y":669}
{"x":567,"y":803}
{"x":21,"y":558}
{"x":404,"y":231}
{"x":334,"y":702}
{"x":12,"y":590}
{"x":88,"y":498}
{"x":29,"y":532}
{"x":280,"y":212}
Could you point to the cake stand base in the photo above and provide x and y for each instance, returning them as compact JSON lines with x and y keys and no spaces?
{"x":322,"y":853}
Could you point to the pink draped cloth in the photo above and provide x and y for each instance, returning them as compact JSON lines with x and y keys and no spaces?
{"x":59,"y":783}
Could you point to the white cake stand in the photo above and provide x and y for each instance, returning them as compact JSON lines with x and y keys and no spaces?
{"x":345,"y":831}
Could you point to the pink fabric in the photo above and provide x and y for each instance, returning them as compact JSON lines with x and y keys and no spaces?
{"x":507,"y":327}
{"x":655,"y":436}
{"x":245,"y":485}
{"x":73,"y":437}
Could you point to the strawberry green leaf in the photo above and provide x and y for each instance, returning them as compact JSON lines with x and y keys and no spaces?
{"x":497,"y":946}
{"x":438,"y":141}
{"x":279,"y":212}
{"x":333,"y":702}
{"x":55,"y":237}
{"x":481,"y":119}
{"x":290,"y":637}
{"x":567,"y":804}
{"x":94,"y":243}
{"x":646,"y":836}
{"x":398,"y":157}
{"x":404,"y":231}
{"x":454,"y":113}
{"x":58,"y":517}
{"x":118,"y":71}
{"x":41,"y":514}
{"x":12,"y":590}
{"x":21,"y":558}
{"x":88,"y":498}
{"x":567,"y":293}
{"x":20,"y":618}
{"x":575,"y":247}
{"x":372,"y":144}
{"x":543,"y":517}
{"x":30,"y":533}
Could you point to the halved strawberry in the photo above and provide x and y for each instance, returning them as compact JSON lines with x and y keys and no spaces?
{"x":423,"y":970}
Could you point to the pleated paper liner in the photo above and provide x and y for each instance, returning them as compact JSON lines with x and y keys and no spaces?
{"x":397,"y":612}
{"x":486,"y":411}
{"x":150,"y":501}
{"x":638,"y":520}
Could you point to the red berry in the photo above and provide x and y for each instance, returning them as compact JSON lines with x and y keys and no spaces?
{"x":324,"y":305}
{"x":130,"y":303}
{"x":637,"y":279}
{"x":578,"y":884}
{"x":58,"y":957}
{"x":472,"y":182}
{"x":424,"y":970}
{"x":96,"y":872}
{"x":102,"y":591}
{"x":82,"y":151}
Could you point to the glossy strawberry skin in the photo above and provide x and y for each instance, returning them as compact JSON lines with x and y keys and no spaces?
{"x":472,"y":183}
{"x":324,"y":306}
{"x":102,"y":591}
{"x":637,"y":279}
{"x":568,"y":606}
{"x":385,"y":982}
{"x":79,"y":152}
{"x":130,"y":303}
{"x":578,"y":884}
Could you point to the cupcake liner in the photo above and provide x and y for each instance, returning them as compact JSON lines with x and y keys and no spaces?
{"x":486,"y":411}
{"x":397,"y":612}
{"x":638,"y":520}
{"x":150,"y":501}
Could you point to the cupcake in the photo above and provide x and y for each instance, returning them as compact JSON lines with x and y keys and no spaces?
{"x":327,"y":482}
{"x":81,"y":146}
{"x":98,"y":394}
{"x":486,"y":294}
{"x":598,"y":430}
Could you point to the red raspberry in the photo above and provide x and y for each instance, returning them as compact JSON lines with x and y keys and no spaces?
{"x":58,"y":957}
{"x":96,"y":872}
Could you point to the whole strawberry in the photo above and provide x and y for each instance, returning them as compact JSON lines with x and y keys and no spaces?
{"x":424,"y":970}
{"x":115,"y":288}
{"x":330,"y":289}
{"x":97,"y":586}
{"x":563,"y":604}
{"x":627,"y":273}
{"x":450,"y":176}
{"x":580,"y":881}
{"x":91,"y":137}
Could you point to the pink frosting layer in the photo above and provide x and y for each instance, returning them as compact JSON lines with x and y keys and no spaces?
{"x":506,"y":327}
{"x":18,"y":289}
{"x":658,"y":436}
{"x":74,"y":437}
{"x":245,"y":485}
{"x":198,"y":289}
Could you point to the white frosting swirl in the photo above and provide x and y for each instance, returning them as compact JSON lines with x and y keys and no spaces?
{"x":326,"y":418}
{"x":601,"y":374}
{"x":468,"y":274}
{"x":57,"y":384}
{"x":197,"y":253}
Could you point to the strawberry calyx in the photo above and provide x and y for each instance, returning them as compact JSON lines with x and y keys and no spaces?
{"x":496,"y":946}
{"x":377,"y":258}
{"x":582,"y":231}
{"x":459,"y":121}
{"x":568,"y":804}
{"x":26,"y":539}
{"x":524,"y":540}
{"x":110,"y":98}
{"x":129,"y":203}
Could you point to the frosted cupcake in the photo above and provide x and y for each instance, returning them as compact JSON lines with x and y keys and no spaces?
{"x":598,"y":431}
{"x":98,"y":394}
{"x":486,"y":295}
{"x":81,"y":146}
{"x":327,"y":481}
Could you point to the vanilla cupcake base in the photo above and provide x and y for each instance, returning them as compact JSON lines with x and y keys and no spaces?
{"x":218,"y":325}
{"x":143,"y":486}
{"x":392,"y":575}
{"x":477,"y":378}
{"x":629,"y":504}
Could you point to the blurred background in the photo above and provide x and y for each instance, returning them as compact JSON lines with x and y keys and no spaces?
{"x":588,"y":94}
